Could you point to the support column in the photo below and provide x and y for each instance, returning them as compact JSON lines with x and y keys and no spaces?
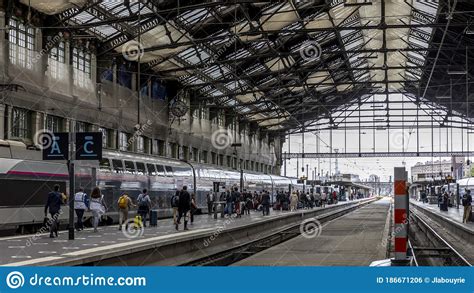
{"x":8,"y":126}
{"x":2,"y":121}
{"x":400,"y":216}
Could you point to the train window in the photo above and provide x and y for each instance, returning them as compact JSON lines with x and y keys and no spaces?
{"x":151,"y":169}
{"x":169,"y":171}
{"x":129,"y":167}
{"x":140,"y":168}
{"x":104,"y":165}
{"x":160,"y":170}
{"x":118,"y":166}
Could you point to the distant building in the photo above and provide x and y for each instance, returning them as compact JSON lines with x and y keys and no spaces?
{"x":438,"y":169}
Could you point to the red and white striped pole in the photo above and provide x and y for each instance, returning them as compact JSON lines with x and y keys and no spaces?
{"x":400,"y":214}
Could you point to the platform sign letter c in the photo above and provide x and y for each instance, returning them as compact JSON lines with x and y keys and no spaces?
{"x":89,"y":143}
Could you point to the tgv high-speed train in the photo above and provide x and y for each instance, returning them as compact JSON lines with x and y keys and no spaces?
{"x":25,"y":181}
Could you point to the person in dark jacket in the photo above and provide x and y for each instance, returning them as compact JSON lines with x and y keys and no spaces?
{"x":467,"y":204}
{"x":266,"y":203}
{"x":210,"y":202}
{"x":183,"y":207}
{"x":53,"y":204}
{"x":229,"y":203}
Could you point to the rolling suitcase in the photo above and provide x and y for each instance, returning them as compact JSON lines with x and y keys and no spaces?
{"x":154,"y":218}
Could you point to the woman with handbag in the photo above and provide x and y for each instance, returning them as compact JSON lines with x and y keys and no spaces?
{"x":97,"y":206}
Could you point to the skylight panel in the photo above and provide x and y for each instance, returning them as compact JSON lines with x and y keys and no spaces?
{"x":192,"y":17}
{"x":84,"y":17}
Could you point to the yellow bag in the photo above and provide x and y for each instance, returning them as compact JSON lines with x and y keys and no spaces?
{"x":123,"y":202}
{"x":138,"y":222}
{"x":64,"y":198}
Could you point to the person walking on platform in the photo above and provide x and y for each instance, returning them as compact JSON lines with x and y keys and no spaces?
{"x":293,"y":201}
{"x":97,"y":206}
{"x":266,"y":203}
{"x":317,"y":199}
{"x":193,"y":208}
{"x":467,"y":204}
{"x":323,"y":199}
{"x":124,"y":205}
{"x":236,"y":201}
{"x":229,"y":203}
{"x":144,"y":205}
{"x":175,"y":205}
{"x":81,"y":204}
{"x":53,"y":204}
{"x":248,"y":203}
{"x":444,"y":202}
{"x":210,"y":202}
{"x":183,"y":207}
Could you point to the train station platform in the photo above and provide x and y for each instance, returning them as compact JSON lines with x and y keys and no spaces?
{"x":453,"y":214}
{"x":161,"y":245}
{"x":448,"y":224}
{"x":450,"y":220}
{"x":355,"y":239}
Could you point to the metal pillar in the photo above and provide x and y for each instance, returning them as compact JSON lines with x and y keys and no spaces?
{"x":400,"y":216}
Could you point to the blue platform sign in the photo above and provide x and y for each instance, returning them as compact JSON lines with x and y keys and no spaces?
{"x":89,"y":146}
{"x":55,"y":145}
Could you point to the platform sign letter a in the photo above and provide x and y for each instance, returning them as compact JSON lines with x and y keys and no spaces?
{"x":56,"y":146}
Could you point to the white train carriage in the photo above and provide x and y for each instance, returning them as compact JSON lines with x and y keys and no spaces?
{"x":25,"y":183}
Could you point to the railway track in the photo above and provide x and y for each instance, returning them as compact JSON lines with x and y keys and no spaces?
{"x":240,"y":252}
{"x":429,"y":248}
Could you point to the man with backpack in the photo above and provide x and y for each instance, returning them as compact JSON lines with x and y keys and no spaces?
{"x":124,"y":204}
{"x":467,"y":203}
{"x":184,"y":205}
{"x":144,"y":205}
{"x":175,"y":205}
{"x":81,"y":203}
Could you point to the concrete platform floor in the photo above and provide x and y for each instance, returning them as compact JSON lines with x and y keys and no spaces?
{"x":355,"y":239}
{"x":40,"y":249}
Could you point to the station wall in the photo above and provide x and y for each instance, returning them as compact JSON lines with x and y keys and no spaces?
{"x":58,"y":96}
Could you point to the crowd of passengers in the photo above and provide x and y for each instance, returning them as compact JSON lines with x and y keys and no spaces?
{"x":232,"y":201}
